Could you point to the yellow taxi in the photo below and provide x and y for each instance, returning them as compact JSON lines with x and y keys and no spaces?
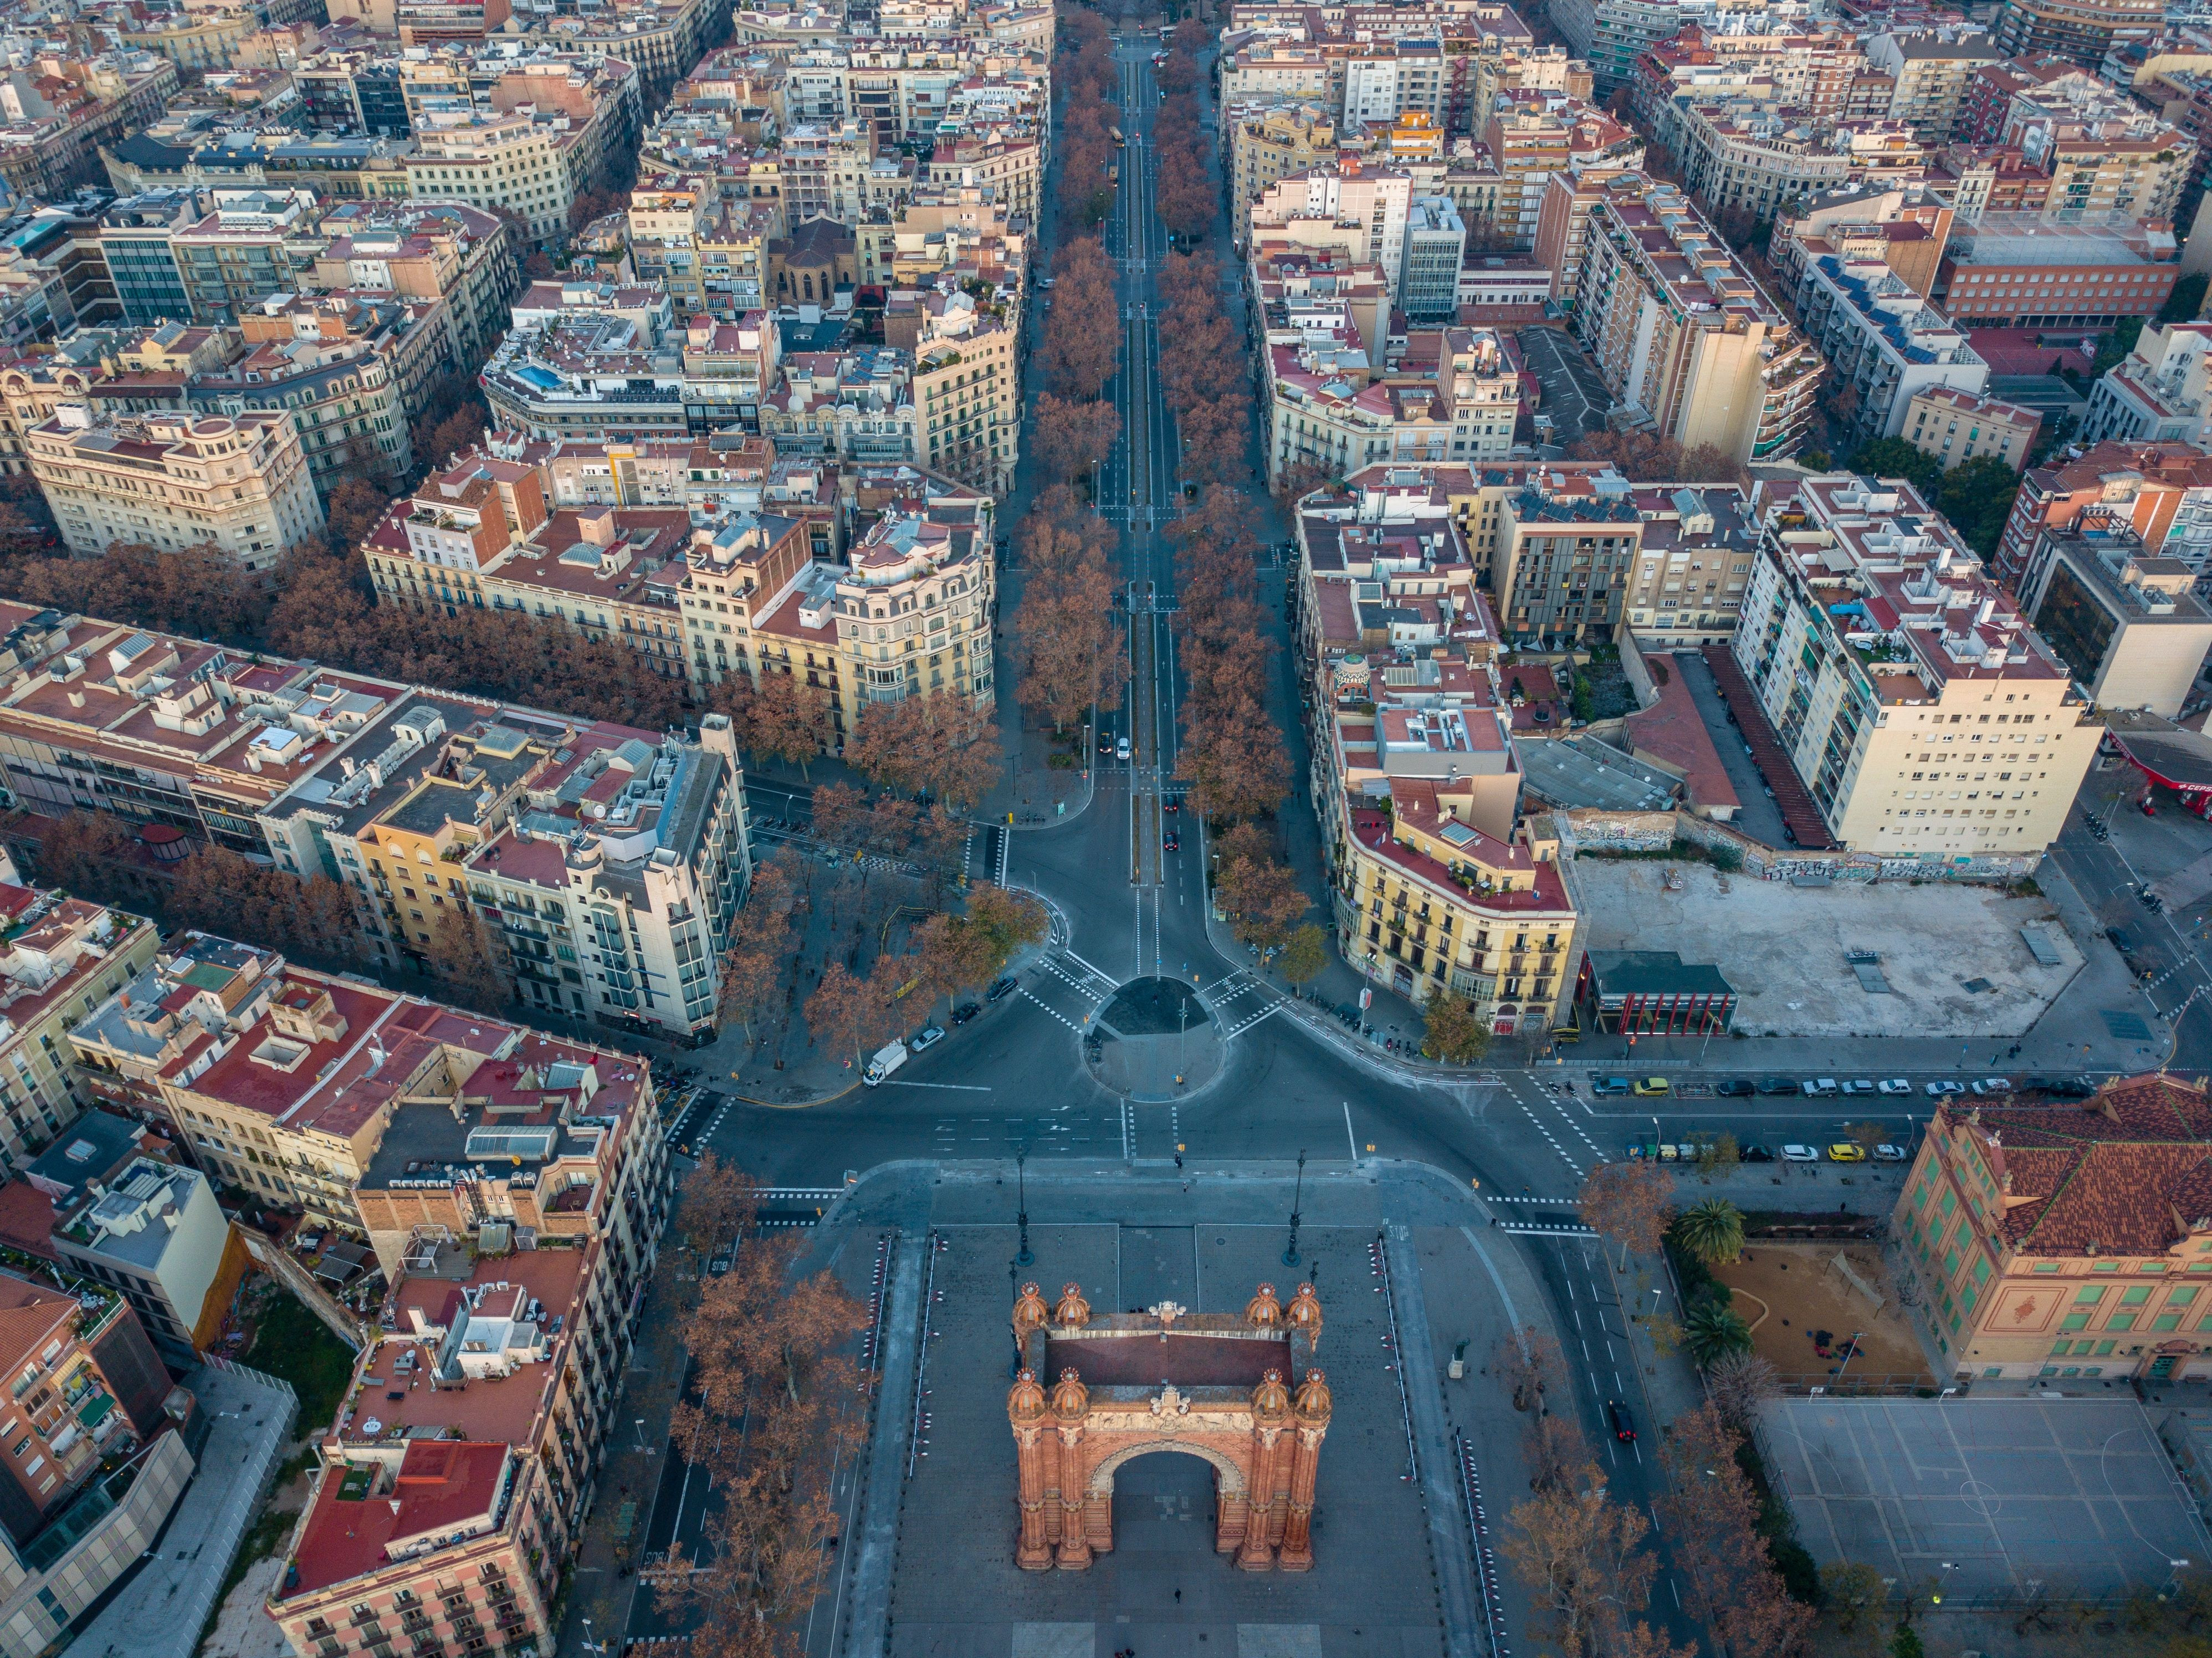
{"x":1845,"y":1152}
{"x":1651,"y":1087}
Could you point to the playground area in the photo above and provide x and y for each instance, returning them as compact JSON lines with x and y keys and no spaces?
{"x":1806,"y":1301}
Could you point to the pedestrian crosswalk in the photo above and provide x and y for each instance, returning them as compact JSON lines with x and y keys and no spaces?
{"x":1527,"y":1229}
{"x":1050,"y":1009}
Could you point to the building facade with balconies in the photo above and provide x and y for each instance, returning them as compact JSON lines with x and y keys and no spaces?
{"x":1926,"y":717}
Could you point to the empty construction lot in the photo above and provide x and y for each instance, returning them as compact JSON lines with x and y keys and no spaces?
{"x":1950,"y":953}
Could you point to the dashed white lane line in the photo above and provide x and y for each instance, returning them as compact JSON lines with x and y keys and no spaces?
{"x":1543,"y":1203}
{"x":1050,"y":1009}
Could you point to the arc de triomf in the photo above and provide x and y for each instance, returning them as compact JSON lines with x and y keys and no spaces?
{"x":1214,"y":1386}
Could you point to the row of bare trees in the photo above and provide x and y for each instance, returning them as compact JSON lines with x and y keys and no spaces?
{"x":1089,"y":115}
{"x":776,"y":1406}
{"x":1070,"y":639}
{"x":1183,"y":194}
{"x":1233,"y":753}
{"x":1202,"y":371}
{"x":852,"y":1013}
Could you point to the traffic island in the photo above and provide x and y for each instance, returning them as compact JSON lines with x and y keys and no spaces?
{"x":1154,"y":1039}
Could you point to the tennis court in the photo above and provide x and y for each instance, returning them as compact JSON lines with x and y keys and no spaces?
{"x":1992,"y":1498}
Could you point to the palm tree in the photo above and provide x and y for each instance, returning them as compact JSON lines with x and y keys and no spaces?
{"x":1713,"y":1330}
{"x":1712,"y":1230}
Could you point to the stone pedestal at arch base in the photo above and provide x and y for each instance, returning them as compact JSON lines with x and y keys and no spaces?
{"x":1263,"y":1443}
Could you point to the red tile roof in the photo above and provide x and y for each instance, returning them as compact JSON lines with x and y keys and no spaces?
{"x":2129,"y":1172}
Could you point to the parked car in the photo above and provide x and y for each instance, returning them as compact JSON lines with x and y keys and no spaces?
{"x":1602,"y":1086}
{"x":1002,"y":988}
{"x":1820,"y":1087}
{"x":1752,"y":1151}
{"x":1986,"y":1086}
{"x":1887,"y":1153}
{"x":966,"y":1011}
{"x":1846,"y":1151}
{"x":1733,"y":1088}
{"x":928,"y":1036}
{"x":1652,"y":1087}
{"x":1892,"y":1086}
{"x":1624,"y":1424}
{"x":1936,"y":1090}
{"x":1777,"y":1085}
{"x":1795,"y":1153}
{"x":1858,"y":1088}
{"x":2062,"y":1088}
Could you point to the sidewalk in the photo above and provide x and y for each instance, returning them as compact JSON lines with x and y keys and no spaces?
{"x":601,"y":1596}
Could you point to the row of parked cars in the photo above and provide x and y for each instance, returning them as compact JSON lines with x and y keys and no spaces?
{"x":1841,"y":1151}
{"x":2057,"y":1088}
{"x":892,"y":1055}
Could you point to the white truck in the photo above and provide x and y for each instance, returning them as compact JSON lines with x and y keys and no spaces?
{"x":888,"y":1057}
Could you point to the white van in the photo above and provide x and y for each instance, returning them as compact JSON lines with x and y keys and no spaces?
{"x":888,"y":1057}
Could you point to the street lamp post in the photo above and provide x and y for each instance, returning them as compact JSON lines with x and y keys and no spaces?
{"x":1290,"y":1255}
{"x":1022,"y":1214}
{"x":1014,"y":1290}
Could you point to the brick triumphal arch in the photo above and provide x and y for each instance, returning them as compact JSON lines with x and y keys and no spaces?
{"x":1214,"y":1386}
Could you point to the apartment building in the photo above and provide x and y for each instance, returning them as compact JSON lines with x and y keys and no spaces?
{"x":2121,"y":618}
{"x":1444,"y":893}
{"x":1927,"y":719}
{"x":1356,"y":208}
{"x":853,"y":405}
{"x":1577,"y":555}
{"x":238,"y":255}
{"x":2158,"y":394}
{"x":1451,"y":394}
{"x":62,"y":955}
{"x":93,"y":1388}
{"x":352,"y":368}
{"x":1274,"y":141}
{"x":197,"y":987}
{"x":2166,"y":489}
{"x":511,"y":162}
{"x":156,"y":1235}
{"x":1883,"y":341}
{"x":589,"y":360}
{"x":908,"y":612}
{"x":1956,"y":427}
{"x":2081,"y":30}
{"x":1683,"y":336}
{"x":513,"y":1186}
{"x":1612,"y":35}
{"x":2029,"y":1266}
{"x":62,"y":109}
{"x":240,"y":483}
{"x":1932,"y":69}
{"x":652,"y":864}
{"x":1906,"y":227}
{"x":469,"y":258}
{"x":966,"y":393}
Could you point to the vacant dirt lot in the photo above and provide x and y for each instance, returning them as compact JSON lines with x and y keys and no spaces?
{"x":1788,"y":1294}
{"x":1785,"y":949}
